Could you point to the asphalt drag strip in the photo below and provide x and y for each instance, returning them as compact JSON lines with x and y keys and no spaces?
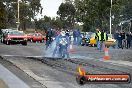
{"x":61,"y":73}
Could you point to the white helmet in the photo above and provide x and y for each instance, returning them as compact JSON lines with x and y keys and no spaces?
{"x":62,"y":33}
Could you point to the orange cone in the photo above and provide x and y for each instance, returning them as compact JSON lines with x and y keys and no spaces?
{"x":106,"y":57}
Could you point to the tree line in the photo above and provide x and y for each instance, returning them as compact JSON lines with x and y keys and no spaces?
{"x":90,"y":13}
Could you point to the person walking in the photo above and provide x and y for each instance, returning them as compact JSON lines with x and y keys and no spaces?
{"x":116,"y":34}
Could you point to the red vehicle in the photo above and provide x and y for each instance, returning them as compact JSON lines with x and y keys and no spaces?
{"x":15,"y":37}
{"x":35,"y":37}
{"x":30,"y":36}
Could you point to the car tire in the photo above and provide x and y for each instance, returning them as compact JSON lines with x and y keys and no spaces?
{"x":42,"y":41}
{"x":31,"y":40}
{"x":81,"y":80}
{"x":7,"y":42}
{"x":24,"y":43}
{"x":86,"y":44}
{"x":82,"y":44}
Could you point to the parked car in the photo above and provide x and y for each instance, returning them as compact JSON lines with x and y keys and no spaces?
{"x":30,"y":36}
{"x":111,"y":41}
{"x":85,"y":41}
{"x":36,"y":37}
{"x":13,"y":37}
{"x":85,"y":38}
{"x":3,"y":32}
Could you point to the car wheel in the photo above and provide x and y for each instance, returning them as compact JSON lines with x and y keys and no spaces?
{"x":7,"y":42}
{"x":31,"y":40}
{"x":86,"y":44}
{"x":24,"y":43}
{"x":82,"y":44}
{"x":81,"y":80}
{"x":42,"y":40}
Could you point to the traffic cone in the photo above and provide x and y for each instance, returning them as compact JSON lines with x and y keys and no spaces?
{"x":106,"y":57}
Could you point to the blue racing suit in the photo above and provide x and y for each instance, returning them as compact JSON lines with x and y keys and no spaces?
{"x":63,"y":46}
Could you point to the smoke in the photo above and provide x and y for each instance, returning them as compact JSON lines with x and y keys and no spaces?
{"x":49,"y":51}
{"x":52,"y":50}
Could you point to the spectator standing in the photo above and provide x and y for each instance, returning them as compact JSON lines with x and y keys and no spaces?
{"x":123,"y":36}
{"x":131,"y":39}
{"x":76,"y":36}
{"x":116,"y":38}
{"x":120,"y":41}
{"x":104,"y":37}
{"x":97,"y":37}
{"x":128,"y":39}
{"x":49,"y":35}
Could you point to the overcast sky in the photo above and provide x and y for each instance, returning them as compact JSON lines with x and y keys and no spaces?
{"x":50,"y":7}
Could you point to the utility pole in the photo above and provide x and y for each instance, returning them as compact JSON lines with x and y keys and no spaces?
{"x":18,"y":19}
{"x":110,"y":16}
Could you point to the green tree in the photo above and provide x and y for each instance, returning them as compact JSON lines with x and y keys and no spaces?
{"x":2,"y":16}
{"x":28,"y":10}
{"x":56,"y":23}
{"x":95,"y":13}
{"x":66,"y":12}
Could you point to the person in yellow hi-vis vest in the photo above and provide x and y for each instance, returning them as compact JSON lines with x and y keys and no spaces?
{"x":102,"y":38}
{"x":97,"y":36}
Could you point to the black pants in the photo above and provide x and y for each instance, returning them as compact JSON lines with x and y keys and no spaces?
{"x":48,"y":41}
{"x":120,"y":44}
{"x":128,"y":43}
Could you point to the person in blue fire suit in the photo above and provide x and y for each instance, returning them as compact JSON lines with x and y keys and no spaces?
{"x":62,"y":43}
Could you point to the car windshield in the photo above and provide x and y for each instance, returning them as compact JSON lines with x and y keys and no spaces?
{"x":15,"y":33}
{"x":37,"y":34}
{"x":31,"y":34}
{"x":93,"y":35}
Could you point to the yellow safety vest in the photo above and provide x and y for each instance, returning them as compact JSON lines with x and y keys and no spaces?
{"x":99,"y":35}
{"x":104,"y":36}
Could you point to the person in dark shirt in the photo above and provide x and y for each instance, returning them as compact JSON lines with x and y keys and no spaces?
{"x":123,"y":36}
{"x":116,"y":34}
{"x":49,"y":35}
{"x":129,"y":38}
{"x":120,"y":41}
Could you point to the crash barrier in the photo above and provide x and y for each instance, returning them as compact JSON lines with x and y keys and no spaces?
{"x":83,"y":77}
{"x":106,"y":56}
